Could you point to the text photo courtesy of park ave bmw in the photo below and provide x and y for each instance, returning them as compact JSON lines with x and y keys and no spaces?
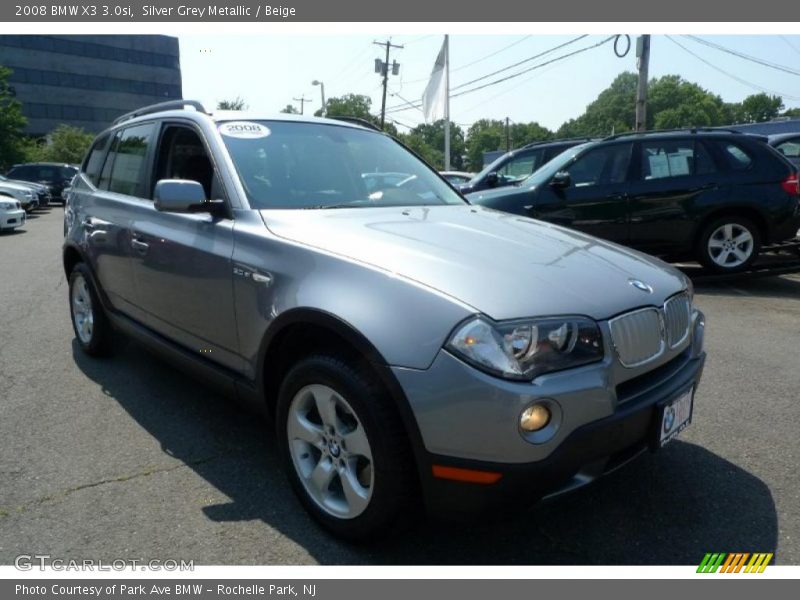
{"x":367,"y":296}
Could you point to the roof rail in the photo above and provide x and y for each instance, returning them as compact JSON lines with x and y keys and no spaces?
{"x":161,"y":106}
{"x":677,"y":130}
{"x":357,"y":121}
{"x":557,"y":141}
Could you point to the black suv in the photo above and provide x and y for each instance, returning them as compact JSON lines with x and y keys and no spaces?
{"x":516,"y":165}
{"x":56,"y":176}
{"x":711,"y":195}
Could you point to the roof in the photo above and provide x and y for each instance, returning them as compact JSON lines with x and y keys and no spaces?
{"x":176,"y":107}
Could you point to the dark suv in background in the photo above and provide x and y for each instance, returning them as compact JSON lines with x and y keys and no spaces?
{"x":516,"y":165}
{"x":56,"y":176}
{"x":710,"y":195}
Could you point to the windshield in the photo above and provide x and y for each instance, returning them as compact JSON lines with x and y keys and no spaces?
{"x":285,"y":164}
{"x":544,"y":173}
{"x":492,"y":166}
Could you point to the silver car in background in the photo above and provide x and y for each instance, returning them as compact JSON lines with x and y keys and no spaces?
{"x":412,"y":349}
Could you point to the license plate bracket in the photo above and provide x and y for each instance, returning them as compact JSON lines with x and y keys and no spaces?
{"x":672,"y":417}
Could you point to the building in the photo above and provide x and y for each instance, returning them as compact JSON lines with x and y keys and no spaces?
{"x":89,"y":80}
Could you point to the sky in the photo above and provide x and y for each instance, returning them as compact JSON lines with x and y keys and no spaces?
{"x":269,"y":70}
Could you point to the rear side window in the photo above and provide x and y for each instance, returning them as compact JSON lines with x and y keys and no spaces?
{"x":24,"y":173}
{"x":738,"y":158}
{"x":129,"y":158}
{"x":789,"y":148}
{"x":661,"y":159}
{"x":94,"y":161}
{"x":601,"y":166}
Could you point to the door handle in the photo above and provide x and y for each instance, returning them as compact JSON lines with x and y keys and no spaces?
{"x":140,"y":246}
{"x":619,"y":196}
{"x":92,"y":223}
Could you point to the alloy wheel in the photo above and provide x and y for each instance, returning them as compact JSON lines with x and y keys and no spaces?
{"x":330,"y":451}
{"x":82,"y":310}
{"x":730,"y":245}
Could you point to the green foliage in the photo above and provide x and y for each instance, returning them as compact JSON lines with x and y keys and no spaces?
{"x":427,"y":140}
{"x":792,"y":113}
{"x":356,"y":105}
{"x":761,"y":107}
{"x":12,"y":124}
{"x":235,"y":104}
{"x":290,"y":110}
{"x":612,"y":111}
{"x":65,"y":144}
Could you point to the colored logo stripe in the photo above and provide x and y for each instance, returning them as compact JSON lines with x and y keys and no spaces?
{"x":734,"y":562}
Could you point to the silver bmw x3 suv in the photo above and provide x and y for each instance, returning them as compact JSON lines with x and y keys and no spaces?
{"x":412,"y":349}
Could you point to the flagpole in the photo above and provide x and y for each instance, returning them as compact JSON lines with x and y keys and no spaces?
{"x":447,"y":103}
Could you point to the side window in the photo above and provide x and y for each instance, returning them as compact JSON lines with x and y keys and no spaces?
{"x":105,"y":174}
{"x":675,"y":158}
{"x":790,"y":148}
{"x":182,"y":155}
{"x":736,"y":157}
{"x":128,"y":168}
{"x":94,"y":160}
{"x":601,"y":166}
{"x":521,"y":167}
{"x":23,"y":173}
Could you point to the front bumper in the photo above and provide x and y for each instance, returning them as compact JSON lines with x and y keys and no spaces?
{"x":468,"y":420}
{"x":12,"y":219}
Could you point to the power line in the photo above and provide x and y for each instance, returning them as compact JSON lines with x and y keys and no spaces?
{"x":553,"y":49}
{"x":400,"y":108}
{"x":475,"y":62}
{"x":741,"y":55}
{"x":731,"y":75}
{"x":790,"y":44}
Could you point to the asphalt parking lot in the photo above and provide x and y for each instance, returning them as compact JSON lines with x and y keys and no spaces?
{"x":128,"y":458}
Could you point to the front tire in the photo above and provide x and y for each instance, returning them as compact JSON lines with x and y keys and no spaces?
{"x":729,"y":244}
{"x":89,"y":322}
{"x":344,"y":449}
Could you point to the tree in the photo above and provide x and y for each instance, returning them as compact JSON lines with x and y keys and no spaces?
{"x":792,"y":113}
{"x":484,"y":135}
{"x":12,"y":124}
{"x":761,"y":107}
{"x":235,"y":104}
{"x":613,"y":110}
{"x":290,"y":110}
{"x":350,"y":105}
{"x":65,"y":144}
{"x":427,"y":140}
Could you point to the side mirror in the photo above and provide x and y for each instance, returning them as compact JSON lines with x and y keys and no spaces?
{"x":183,"y":196}
{"x":561,"y":180}
{"x":492,"y":179}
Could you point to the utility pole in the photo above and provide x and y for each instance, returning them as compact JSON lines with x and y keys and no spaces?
{"x":302,"y":100}
{"x":508,"y":136}
{"x":643,"y":54}
{"x":382,"y":67}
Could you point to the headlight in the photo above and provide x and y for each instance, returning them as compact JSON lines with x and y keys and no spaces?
{"x":6,"y":205}
{"x":27,"y":194}
{"x":525,"y":349}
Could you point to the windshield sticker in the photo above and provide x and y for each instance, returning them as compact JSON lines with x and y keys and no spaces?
{"x":244,"y":130}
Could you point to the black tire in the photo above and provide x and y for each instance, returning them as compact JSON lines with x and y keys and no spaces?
{"x":100,"y":341}
{"x":394,"y":497}
{"x":706,"y":254}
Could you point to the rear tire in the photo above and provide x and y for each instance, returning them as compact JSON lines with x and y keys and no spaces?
{"x":729,"y":244}
{"x":89,"y":322}
{"x":344,"y":449}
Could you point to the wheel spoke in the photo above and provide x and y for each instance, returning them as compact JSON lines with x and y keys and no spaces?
{"x":743,"y":238}
{"x":722,"y":258}
{"x":357,"y":496}
{"x":715,"y":243}
{"x":728,"y":229}
{"x":740,"y":254}
{"x":322,"y":475}
{"x":357,"y":444}
{"x":326,"y":406}
{"x":301,"y":428}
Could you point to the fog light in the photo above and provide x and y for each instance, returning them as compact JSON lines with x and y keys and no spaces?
{"x":534,"y":418}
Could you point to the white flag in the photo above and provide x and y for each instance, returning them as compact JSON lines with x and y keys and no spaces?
{"x":434,"y":99}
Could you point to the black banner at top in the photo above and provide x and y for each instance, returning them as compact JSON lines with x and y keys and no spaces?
{"x":214,"y":11}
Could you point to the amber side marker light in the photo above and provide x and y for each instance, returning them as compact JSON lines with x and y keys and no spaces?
{"x":467,"y":475}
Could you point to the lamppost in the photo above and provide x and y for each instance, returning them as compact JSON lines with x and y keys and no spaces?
{"x":322,"y":91}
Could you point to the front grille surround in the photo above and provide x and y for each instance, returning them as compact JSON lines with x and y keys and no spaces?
{"x":643,"y":335}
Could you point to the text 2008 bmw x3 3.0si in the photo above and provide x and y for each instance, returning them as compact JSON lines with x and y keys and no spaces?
{"x":409,"y":346}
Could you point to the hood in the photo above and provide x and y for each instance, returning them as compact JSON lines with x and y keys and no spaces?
{"x":502,"y":265}
{"x":11,"y":185}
